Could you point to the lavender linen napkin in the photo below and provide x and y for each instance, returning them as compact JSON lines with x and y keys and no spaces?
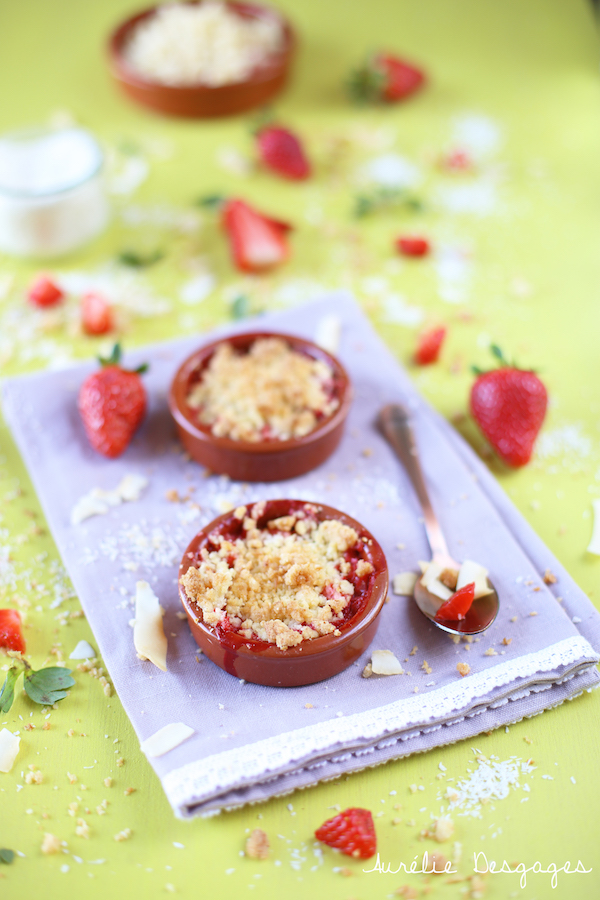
{"x":251,"y":742}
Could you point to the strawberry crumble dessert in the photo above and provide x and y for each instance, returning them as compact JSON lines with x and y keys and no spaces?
{"x":278,"y":572}
{"x":270,"y":392}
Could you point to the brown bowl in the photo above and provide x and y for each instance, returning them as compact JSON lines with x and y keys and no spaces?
{"x":314,"y":660}
{"x":201,"y":100}
{"x":261,"y":460}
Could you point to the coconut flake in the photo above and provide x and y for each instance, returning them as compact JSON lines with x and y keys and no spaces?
{"x":9,"y":747}
{"x":97,"y":502}
{"x":472,"y":572}
{"x":403,"y":583}
{"x":148,"y":633}
{"x":594,"y":544}
{"x":383,"y":662}
{"x":166,"y":738}
{"x":83,"y":650}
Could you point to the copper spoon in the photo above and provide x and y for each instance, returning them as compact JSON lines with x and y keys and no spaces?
{"x":395,"y":425}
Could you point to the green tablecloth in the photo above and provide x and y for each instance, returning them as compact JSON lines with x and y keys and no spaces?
{"x":517,"y":264}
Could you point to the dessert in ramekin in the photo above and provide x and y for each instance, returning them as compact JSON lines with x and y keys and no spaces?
{"x":260,"y":406}
{"x":162,"y":75}
{"x":283,"y":592}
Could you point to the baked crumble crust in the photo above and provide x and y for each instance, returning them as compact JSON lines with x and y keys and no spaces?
{"x":271,"y":392}
{"x":283,"y":583}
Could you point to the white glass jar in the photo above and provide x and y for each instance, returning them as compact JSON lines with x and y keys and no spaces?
{"x":52,"y":197}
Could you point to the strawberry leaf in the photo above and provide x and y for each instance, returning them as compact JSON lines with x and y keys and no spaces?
{"x":212,"y":201}
{"x":139,"y":260}
{"x":240,"y":307}
{"x":6,"y":856}
{"x":7,"y":694}
{"x":46,"y":686}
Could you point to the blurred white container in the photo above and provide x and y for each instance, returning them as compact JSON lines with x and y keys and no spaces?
{"x":52,"y":197}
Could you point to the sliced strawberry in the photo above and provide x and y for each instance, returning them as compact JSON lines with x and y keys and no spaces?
{"x":96,"y":314}
{"x":11,"y":634}
{"x":257,"y":242}
{"x":412,"y":245}
{"x":459,"y":604}
{"x":282,"y":152}
{"x":351,"y":831}
{"x":44,"y":292}
{"x":429,"y":346}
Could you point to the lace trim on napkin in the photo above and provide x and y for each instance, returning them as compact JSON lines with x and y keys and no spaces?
{"x":245,"y":765}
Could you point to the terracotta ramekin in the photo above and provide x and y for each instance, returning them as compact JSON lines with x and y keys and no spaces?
{"x":261,"y":460}
{"x":311,"y":661}
{"x":201,"y":100}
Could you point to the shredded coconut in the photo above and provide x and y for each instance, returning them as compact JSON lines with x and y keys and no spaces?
{"x":204,"y":43}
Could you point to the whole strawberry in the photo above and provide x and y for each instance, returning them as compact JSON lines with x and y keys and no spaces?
{"x":112,"y":404}
{"x":351,"y":831}
{"x":509,"y":405}
{"x":282,"y":152}
{"x":385,"y":77}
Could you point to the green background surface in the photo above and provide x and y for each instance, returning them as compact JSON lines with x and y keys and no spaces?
{"x":532,"y":68}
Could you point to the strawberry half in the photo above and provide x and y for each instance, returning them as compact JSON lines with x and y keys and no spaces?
{"x":386,"y":77}
{"x":429,"y":346}
{"x":96,"y":314}
{"x":11,"y":634}
{"x":44,"y":292}
{"x":509,"y":405}
{"x":351,"y":831}
{"x":112,"y":404}
{"x":282,"y":152}
{"x":412,"y":245}
{"x":258,"y":243}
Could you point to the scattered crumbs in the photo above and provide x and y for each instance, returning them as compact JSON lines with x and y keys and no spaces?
{"x":414,"y":650}
{"x":345,"y":872}
{"x":548,"y":777}
{"x":549,"y":577}
{"x":426,"y":667}
{"x":257,"y":844}
{"x":367,"y":671}
{"x":463,"y":669}
{"x":412,"y":788}
{"x":415,"y":690}
{"x":367,"y":452}
{"x":576,"y":620}
{"x":490,"y":652}
{"x":120,"y":762}
{"x":82,"y":829}
{"x":308,"y":706}
{"x":72,"y":778}
{"x":506,"y":641}
{"x":533,"y":613}
{"x":514,"y":619}
{"x":108,"y":782}
{"x":128,"y":791}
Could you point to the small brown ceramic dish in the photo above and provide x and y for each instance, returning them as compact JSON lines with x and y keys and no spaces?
{"x":201,"y":100}
{"x":268,"y":460}
{"x":310,"y":661}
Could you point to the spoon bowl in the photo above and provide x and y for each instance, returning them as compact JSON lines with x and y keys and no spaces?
{"x":395,"y":425}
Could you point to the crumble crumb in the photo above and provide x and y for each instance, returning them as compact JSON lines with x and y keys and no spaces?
{"x":120,"y":762}
{"x":367,"y":671}
{"x":490,"y":652}
{"x":123,"y":835}
{"x":549,"y":577}
{"x":506,"y":641}
{"x":34,"y":778}
{"x":128,"y":791}
{"x":463,"y":669}
{"x":449,"y":577}
{"x":108,"y":782}
{"x":414,"y":650}
{"x":367,"y":452}
{"x":528,"y":740}
{"x":83,"y":829}
{"x":257,"y":844}
{"x":444,"y":829}
{"x":50,"y":844}
{"x":72,"y":778}
{"x":308,"y":706}
{"x":406,"y":891}
{"x":426,"y":667}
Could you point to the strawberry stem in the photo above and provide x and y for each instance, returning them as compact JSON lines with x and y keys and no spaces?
{"x":115,"y":360}
{"x":211,"y":201}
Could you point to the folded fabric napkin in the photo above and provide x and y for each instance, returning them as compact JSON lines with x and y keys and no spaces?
{"x":251,"y":742}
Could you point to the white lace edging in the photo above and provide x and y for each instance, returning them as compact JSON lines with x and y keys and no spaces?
{"x":242,"y":766}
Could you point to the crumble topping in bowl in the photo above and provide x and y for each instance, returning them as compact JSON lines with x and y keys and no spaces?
{"x":282,"y":579}
{"x":270,"y":392}
{"x":206,"y":43}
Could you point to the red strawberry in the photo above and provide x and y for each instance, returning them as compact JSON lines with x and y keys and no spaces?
{"x":282,"y":152}
{"x":351,"y":831}
{"x":257,"y":242}
{"x":509,"y":405}
{"x":96,"y":314}
{"x":429,"y":346}
{"x":11,"y":635}
{"x":112,"y":404}
{"x":457,"y":161}
{"x":458,"y":605}
{"x":44,"y":292}
{"x":412,"y":245}
{"x":386,"y":77}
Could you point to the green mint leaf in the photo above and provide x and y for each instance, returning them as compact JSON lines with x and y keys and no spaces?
{"x":212,"y":201}
{"x":46,"y":686}
{"x":240,"y":307}
{"x":139,"y":260}
{"x":7,"y":693}
{"x":7,"y":856}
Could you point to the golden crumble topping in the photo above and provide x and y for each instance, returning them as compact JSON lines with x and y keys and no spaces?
{"x":272,"y":392}
{"x":283,"y":583}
